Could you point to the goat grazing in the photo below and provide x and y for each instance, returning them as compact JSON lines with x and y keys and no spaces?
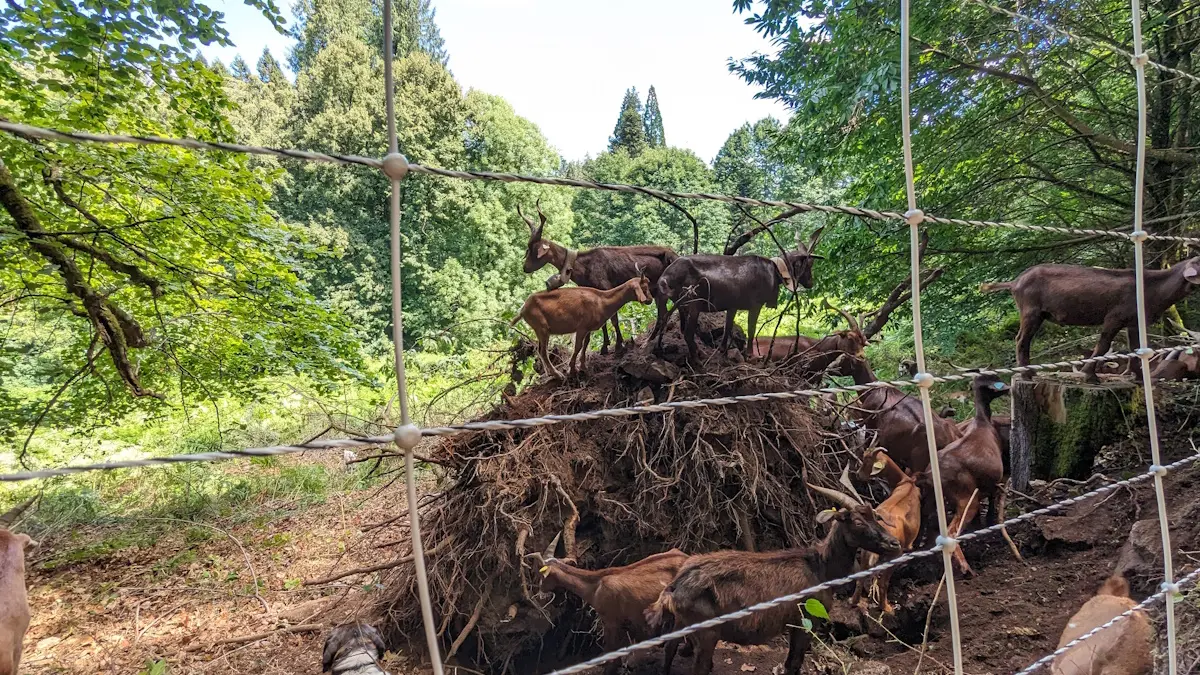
{"x":972,"y":466}
{"x":717,"y":583}
{"x":1072,"y":295}
{"x":1125,"y":648}
{"x":353,"y":649}
{"x":897,"y":417}
{"x":14,"y":603}
{"x":722,"y":283}
{"x":603,"y":268}
{"x":899,"y":514}
{"x":577,"y":310}
{"x":1181,"y":364}
{"x":620,"y":595}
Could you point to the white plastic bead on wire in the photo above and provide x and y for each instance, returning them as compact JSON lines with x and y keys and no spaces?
{"x":1139,"y":236}
{"x":915,"y":217}
{"x":407,"y":435}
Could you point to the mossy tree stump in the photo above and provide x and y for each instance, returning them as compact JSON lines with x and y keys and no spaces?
{"x":1059,"y":427}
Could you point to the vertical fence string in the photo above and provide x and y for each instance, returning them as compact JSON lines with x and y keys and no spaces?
{"x":915,"y":217}
{"x":407,"y":435}
{"x":1139,"y":236}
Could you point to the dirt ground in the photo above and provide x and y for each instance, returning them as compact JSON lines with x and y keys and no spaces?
{"x":175,"y":599}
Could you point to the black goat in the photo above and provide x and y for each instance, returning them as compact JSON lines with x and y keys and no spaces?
{"x":1071,"y":295}
{"x":602,"y":268}
{"x":721,"y":283}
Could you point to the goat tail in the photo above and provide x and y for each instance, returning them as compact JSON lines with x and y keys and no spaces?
{"x":996,"y":287}
{"x":661,"y":614}
{"x":1115,"y":585}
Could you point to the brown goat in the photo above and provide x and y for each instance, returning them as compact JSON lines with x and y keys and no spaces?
{"x":604,"y":267}
{"x":972,"y":467}
{"x":718,"y":583}
{"x":1072,"y":295}
{"x":899,"y":514}
{"x":620,"y":595}
{"x":1182,"y":364}
{"x":576,"y":310}
{"x":814,"y":355}
{"x":897,"y":417}
{"x":14,"y":603}
{"x":1125,"y":648}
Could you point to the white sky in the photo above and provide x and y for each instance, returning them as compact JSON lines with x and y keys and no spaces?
{"x":565,"y":65}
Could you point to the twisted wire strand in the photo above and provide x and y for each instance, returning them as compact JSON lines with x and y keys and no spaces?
{"x":1083,"y":39}
{"x":24,"y":130}
{"x":531,"y":422}
{"x":1141,"y":606}
{"x":828,"y":585}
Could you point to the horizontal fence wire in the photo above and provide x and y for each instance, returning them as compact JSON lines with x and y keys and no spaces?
{"x":864,"y":574}
{"x":1140,"y":607}
{"x":27,"y":131}
{"x":1083,"y":39}
{"x":547,"y":420}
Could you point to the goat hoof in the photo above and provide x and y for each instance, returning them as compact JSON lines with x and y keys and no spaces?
{"x":604,"y":350}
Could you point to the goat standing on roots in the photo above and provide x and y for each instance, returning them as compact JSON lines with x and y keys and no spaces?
{"x":728,"y":283}
{"x":718,"y":583}
{"x":577,"y":310}
{"x":620,"y":595}
{"x":603,"y":268}
{"x":900,"y":516}
{"x":972,"y":468}
{"x":1072,"y":295}
{"x":1124,"y":648}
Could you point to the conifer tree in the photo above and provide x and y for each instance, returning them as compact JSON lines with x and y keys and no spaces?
{"x":630,"y":132}
{"x":655,"y":137}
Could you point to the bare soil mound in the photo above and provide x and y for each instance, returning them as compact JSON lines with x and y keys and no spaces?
{"x":616,"y":489}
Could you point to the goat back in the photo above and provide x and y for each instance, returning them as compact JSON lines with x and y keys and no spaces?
{"x":1124,"y":648}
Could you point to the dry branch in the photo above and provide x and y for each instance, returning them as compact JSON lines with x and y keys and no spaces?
{"x":242,"y":639}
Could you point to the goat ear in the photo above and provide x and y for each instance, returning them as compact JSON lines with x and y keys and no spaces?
{"x":377,"y":640}
{"x":1191,"y":273}
{"x":330,"y":651}
{"x":826,"y":515}
{"x":545,"y":571}
{"x":544,"y":249}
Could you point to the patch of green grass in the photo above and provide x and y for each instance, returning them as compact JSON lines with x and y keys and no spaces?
{"x":141,"y":538}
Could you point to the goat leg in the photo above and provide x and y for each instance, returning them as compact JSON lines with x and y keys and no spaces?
{"x":616,"y":322}
{"x":729,"y":315}
{"x":1030,"y":324}
{"x":706,"y":644}
{"x":612,"y":642}
{"x":547,"y":367}
{"x":751,"y":325}
{"x":998,"y":507}
{"x":798,"y":644}
{"x":1107,"y":333}
{"x":604,"y":345}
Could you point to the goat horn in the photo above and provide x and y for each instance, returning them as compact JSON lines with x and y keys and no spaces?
{"x":541,"y":216}
{"x":528,"y":221}
{"x":840,"y":498}
{"x":845,"y":480}
{"x":553,"y":545}
{"x":850,"y":321}
{"x":9,"y":517}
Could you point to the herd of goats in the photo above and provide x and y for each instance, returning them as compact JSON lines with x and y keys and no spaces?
{"x":673,"y":589}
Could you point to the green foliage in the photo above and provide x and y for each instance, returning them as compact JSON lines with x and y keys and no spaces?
{"x":655,"y":136}
{"x":630,"y":132}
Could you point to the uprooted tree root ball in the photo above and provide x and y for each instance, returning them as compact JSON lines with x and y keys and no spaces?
{"x":613,"y":490}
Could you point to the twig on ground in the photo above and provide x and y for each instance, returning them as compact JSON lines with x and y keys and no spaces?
{"x":370,"y":568}
{"x":249,"y":563}
{"x":242,"y":639}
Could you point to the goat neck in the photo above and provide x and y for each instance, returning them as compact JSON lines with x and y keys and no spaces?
{"x":984,"y":395}
{"x":891,"y":471}
{"x":861,"y":371}
{"x":581,"y":582}
{"x":833,"y":556}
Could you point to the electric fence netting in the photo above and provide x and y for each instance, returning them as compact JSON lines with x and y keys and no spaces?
{"x":407,"y":434}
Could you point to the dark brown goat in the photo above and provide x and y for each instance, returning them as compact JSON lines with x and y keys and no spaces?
{"x":897,"y":417}
{"x":1178,"y":365}
{"x":722,"y":283}
{"x":1072,"y":295}
{"x":577,"y":310}
{"x":620,"y":595}
{"x":972,"y":467}
{"x":718,"y":583}
{"x":899,"y":514}
{"x":604,"y":267}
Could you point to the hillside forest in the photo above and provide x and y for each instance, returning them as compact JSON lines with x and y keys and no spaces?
{"x":159,"y":300}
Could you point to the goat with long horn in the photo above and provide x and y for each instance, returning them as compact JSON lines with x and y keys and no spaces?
{"x":603,"y":268}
